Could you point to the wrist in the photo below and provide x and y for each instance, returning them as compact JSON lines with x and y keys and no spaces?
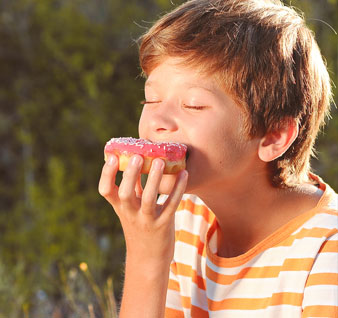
{"x":152,"y":267}
{"x":145,"y":288}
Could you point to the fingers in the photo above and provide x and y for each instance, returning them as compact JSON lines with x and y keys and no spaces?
{"x":150,"y":192}
{"x":129,"y":184}
{"x":174,"y":199}
{"x":107,"y":187}
{"x":139,"y":188}
{"x":128,"y":195}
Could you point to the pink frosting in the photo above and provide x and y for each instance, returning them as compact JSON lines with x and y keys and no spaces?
{"x":128,"y":145}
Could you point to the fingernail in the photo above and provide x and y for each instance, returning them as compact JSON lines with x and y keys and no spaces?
{"x":184,"y":174}
{"x":158,"y":164}
{"x":111,"y":160}
{"x":135,"y":161}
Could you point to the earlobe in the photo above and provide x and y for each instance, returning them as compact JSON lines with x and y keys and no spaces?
{"x":275,"y":143}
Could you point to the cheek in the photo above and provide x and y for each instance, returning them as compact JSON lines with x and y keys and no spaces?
{"x":142,"y":124}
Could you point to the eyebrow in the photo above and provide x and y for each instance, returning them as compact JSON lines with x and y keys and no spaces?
{"x":189,"y":86}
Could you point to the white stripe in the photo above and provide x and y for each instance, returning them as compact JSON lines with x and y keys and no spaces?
{"x":325,"y":263}
{"x":306,"y":247}
{"x":193,"y":198}
{"x":191,"y":290}
{"x":187,"y":254}
{"x":292,"y":282}
{"x":224,"y":271}
{"x":186,"y":313}
{"x":195,"y":224}
{"x":281,"y":311}
{"x":276,"y":256}
{"x":199,"y":298}
{"x":325,"y":295}
{"x":162,"y":198}
{"x":322,"y":220}
{"x":334,"y":202}
{"x":173,"y":300}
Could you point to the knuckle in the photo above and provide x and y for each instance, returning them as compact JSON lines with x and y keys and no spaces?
{"x":104,"y":191}
{"x":147,"y":204}
{"x":123,"y":194}
{"x":148,"y":198}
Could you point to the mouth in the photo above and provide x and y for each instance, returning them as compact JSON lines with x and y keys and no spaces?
{"x":187,"y":155}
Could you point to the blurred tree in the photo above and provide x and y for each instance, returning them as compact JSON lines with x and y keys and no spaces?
{"x":69,"y":81}
{"x":68,"y":68}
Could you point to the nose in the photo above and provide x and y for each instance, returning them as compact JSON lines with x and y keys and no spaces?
{"x":160,"y":119}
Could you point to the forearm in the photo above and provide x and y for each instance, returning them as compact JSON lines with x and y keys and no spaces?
{"x":149,"y":230}
{"x":145,"y":290}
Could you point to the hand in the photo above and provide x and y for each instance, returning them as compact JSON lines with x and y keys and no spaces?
{"x":148,"y":227}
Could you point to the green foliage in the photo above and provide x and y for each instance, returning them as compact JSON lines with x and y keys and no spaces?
{"x":68,"y":68}
{"x":70,"y":81}
{"x":322,"y":18}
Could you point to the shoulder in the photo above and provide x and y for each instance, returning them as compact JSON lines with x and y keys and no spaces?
{"x":325,"y":215}
{"x":329,"y":199}
{"x":323,"y":220}
{"x":333,"y":203}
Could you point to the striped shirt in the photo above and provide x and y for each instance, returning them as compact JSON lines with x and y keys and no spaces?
{"x":292,"y":273}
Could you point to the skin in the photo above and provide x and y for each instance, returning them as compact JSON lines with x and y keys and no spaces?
{"x":226,"y":169}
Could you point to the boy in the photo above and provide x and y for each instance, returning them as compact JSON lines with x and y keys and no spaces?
{"x":243,"y":85}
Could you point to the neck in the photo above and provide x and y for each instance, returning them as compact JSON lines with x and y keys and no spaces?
{"x":249,"y":212}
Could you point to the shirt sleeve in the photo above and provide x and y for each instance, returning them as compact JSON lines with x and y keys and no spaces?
{"x":321,"y":289}
{"x":174,"y":307}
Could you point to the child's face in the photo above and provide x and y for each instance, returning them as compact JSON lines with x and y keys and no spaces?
{"x":187,"y":107}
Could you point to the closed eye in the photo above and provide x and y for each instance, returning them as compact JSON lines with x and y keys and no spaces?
{"x":143,"y":102}
{"x":195,"y":107}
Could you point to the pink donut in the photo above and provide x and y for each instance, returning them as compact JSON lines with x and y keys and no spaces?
{"x":124,"y":148}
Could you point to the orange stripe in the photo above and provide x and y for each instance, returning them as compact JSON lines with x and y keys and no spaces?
{"x":198,"y":312}
{"x":181,"y":205}
{"x":173,"y":313}
{"x":173,"y":268}
{"x":173,"y":285}
{"x":191,"y":239}
{"x":322,"y":279}
{"x":320,"y":311}
{"x":303,"y":264}
{"x":197,"y":209}
{"x":187,"y":271}
{"x":313,"y":232}
{"x":297,"y":264}
{"x":186,"y":301}
{"x":195,"y":311}
{"x":331,"y":212}
{"x":294,"y":299}
{"x":329,"y":247}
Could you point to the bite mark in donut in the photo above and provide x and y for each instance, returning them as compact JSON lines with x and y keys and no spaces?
{"x":173,"y":154}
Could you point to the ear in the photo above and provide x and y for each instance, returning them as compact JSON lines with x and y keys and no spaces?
{"x":274,"y":144}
